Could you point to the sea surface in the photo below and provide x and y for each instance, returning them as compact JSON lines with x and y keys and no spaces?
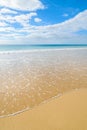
{"x":40,"y":46}
{"x":34,"y":76}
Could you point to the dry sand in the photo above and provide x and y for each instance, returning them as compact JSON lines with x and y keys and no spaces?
{"x":68,"y":112}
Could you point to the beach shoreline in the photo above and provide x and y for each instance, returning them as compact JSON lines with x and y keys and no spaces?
{"x":44,"y":102}
{"x":63,"y":113}
{"x":30,"y":79}
{"x":41,"y":50}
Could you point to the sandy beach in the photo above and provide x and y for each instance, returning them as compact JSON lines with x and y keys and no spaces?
{"x":50,"y":85}
{"x":28,"y":79}
{"x":43,"y":64}
{"x":68,"y":112}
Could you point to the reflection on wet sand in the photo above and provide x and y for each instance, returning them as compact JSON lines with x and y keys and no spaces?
{"x":28,"y":79}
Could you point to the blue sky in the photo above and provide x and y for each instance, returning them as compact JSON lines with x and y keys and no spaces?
{"x":43,"y":21}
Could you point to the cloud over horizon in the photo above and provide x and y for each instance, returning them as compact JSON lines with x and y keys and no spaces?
{"x":16,"y":26}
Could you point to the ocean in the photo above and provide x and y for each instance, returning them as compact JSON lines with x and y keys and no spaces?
{"x":39,"y":46}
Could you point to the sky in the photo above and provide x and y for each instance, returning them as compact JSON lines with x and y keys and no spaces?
{"x":43,"y":22}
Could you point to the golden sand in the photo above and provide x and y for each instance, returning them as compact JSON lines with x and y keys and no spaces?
{"x":28,"y":79}
{"x":18,"y":98}
{"x":68,"y":112}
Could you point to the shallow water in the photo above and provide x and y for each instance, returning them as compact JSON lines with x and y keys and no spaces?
{"x":29,"y":78}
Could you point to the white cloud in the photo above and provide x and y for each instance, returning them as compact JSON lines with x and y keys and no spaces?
{"x":30,"y":5}
{"x":2,"y":24}
{"x":37,"y":20}
{"x":22,"y":19}
{"x":7,"y":11}
{"x":66,"y":32}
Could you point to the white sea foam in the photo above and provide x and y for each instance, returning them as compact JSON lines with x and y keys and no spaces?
{"x":40,"y":50}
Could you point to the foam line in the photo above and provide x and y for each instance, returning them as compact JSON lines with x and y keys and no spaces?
{"x":40,"y":50}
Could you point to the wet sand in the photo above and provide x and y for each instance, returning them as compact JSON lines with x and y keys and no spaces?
{"x":68,"y":112}
{"x":43,"y":90}
{"x":27,"y":79}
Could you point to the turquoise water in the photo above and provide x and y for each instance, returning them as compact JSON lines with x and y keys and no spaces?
{"x":43,"y":46}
